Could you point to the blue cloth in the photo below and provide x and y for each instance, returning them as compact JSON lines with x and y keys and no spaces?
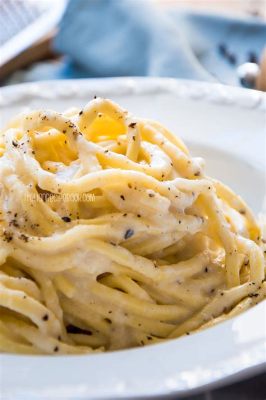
{"x":102,"y":38}
{"x":123,"y":38}
{"x":137,"y":38}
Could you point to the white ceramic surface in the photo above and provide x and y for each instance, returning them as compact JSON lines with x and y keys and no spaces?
{"x":227,"y":127}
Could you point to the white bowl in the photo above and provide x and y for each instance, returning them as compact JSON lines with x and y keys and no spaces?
{"x":227,"y":127}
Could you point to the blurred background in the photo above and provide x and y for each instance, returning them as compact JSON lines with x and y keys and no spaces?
{"x":210,"y":40}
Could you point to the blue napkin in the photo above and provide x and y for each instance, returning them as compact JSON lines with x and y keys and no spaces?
{"x":102,"y":38}
{"x":124,"y":38}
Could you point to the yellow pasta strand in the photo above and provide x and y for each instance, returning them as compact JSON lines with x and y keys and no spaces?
{"x":112,"y":236}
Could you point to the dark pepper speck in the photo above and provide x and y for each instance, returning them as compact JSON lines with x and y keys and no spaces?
{"x":66,"y":219}
{"x":128,"y":233}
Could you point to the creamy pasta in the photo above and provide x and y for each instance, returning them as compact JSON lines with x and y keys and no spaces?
{"x":112,"y":236}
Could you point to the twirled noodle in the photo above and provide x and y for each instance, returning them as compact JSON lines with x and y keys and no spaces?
{"x":113,"y":237}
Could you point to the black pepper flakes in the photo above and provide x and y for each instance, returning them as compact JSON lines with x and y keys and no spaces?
{"x":253,"y":295}
{"x":132,"y":125}
{"x":122,"y":197}
{"x":24,"y":238}
{"x":129,"y":233}
{"x":66,"y":219}
{"x":45,"y":317}
{"x":14,"y":223}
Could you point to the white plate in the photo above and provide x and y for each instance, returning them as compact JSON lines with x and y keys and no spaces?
{"x":227,"y":127}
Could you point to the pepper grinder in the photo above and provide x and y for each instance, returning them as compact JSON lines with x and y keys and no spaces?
{"x":261,"y":78}
{"x":252,"y":74}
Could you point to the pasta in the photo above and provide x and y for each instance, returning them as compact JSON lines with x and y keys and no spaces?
{"x":112,"y":237}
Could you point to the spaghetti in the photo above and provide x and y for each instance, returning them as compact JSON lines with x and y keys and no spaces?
{"x":111,"y":236}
